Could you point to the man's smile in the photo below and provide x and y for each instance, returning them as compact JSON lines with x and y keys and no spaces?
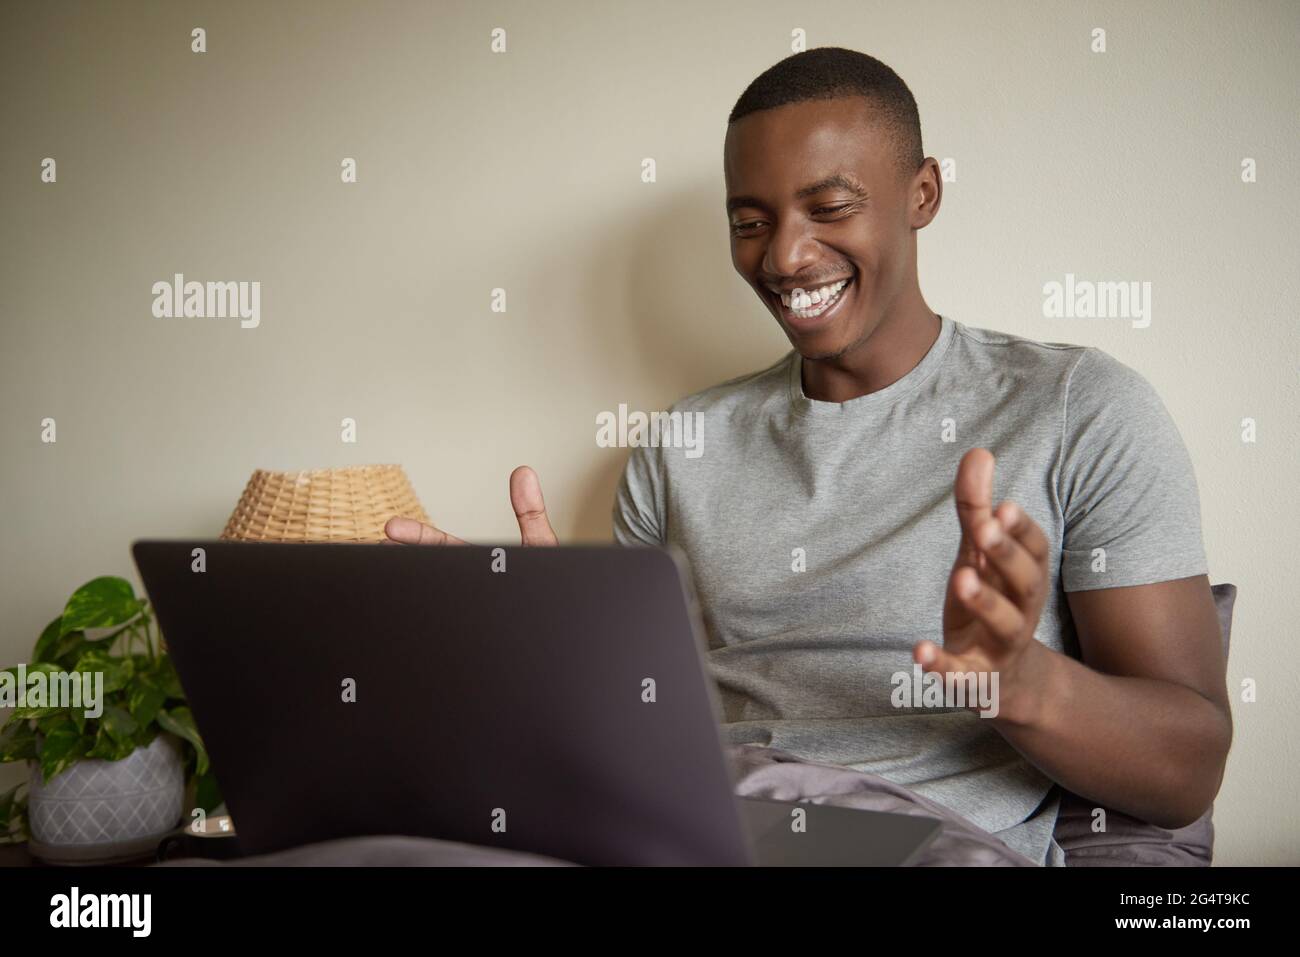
{"x":805,"y":309}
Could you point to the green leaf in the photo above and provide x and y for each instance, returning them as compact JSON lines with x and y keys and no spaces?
{"x":45,"y":667}
{"x":105,"y":748}
{"x":167,"y":678}
{"x":100,"y":603}
{"x":119,"y":724}
{"x":117,"y":671}
{"x":20,"y":694}
{"x":27,"y":713}
{"x":207,"y":794}
{"x":17,"y":742}
{"x":144,"y":737}
{"x":11,"y":812}
{"x":144,"y":698}
{"x":69,"y":648}
{"x":180,"y":722}
{"x":49,"y":722}
{"x":49,"y":638}
{"x":62,"y":747}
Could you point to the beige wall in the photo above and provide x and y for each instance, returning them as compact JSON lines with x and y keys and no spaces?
{"x":522,"y":170}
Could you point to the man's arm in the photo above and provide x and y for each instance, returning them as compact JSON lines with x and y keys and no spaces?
{"x":1142,"y":724}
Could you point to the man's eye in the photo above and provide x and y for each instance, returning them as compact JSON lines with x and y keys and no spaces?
{"x":741,"y":228}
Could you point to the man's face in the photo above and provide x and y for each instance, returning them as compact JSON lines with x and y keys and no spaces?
{"x":815,"y":197}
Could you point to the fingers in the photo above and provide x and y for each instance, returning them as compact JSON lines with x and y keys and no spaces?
{"x":973,"y":493}
{"x":1025,"y":530}
{"x":525,"y":498}
{"x":933,"y":657}
{"x":1017,"y":549}
{"x":530,"y":509}
{"x":937,"y":660}
{"x":407,"y":531}
{"x":1004,"y":622}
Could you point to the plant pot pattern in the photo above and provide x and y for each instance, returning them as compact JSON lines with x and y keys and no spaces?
{"x":97,"y":802}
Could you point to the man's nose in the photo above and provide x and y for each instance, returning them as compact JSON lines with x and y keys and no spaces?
{"x":792,"y":249}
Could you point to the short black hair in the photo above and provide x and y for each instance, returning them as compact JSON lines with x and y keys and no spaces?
{"x":825,"y":73}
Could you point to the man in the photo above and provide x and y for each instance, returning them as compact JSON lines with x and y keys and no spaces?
{"x":820,"y":526}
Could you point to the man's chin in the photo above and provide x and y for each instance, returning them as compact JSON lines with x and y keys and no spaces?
{"x":829,"y":344}
{"x":825,"y":345}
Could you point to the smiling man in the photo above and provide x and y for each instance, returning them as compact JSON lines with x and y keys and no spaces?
{"x":821,"y":524}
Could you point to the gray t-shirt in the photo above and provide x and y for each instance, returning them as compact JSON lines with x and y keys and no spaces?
{"x":821,"y":535}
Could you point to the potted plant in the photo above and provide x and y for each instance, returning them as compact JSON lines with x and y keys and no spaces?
{"x":111,"y":770}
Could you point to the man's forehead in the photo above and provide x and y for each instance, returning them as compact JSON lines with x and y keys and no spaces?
{"x":795,"y":147}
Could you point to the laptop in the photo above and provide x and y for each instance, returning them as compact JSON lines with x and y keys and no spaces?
{"x":547,"y":700}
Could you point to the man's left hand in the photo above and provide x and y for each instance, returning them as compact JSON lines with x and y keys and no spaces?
{"x":996,"y":589}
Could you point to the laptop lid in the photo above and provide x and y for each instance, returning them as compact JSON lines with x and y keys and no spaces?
{"x":347,"y":689}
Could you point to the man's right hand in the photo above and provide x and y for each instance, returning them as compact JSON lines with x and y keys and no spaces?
{"x":525,"y":498}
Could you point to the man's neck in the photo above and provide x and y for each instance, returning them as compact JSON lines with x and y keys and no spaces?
{"x":893,"y":349}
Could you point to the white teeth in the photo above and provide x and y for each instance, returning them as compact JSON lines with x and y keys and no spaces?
{"x":813,"y":302}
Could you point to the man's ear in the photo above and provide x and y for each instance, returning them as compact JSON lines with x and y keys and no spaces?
{"x":925,"y":194}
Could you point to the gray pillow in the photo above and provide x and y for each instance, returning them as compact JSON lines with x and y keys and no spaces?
{"x":1128,"y":842}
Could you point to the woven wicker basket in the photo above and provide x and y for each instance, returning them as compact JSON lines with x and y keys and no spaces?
{"x":349,"y":504}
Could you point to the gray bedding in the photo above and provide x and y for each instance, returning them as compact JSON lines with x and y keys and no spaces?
{"x":761,"y":772}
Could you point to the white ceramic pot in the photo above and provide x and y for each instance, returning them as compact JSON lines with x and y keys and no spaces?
{"x":100,"y":810}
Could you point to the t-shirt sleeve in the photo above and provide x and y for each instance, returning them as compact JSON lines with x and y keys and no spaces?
{"x":639,"y":501}
{"x":1127,"y":489}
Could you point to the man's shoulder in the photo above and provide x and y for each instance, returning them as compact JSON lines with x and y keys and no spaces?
{"x":1003,"y":348}
{"x":1072,"y":367}
{"x":1099,"y":397}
